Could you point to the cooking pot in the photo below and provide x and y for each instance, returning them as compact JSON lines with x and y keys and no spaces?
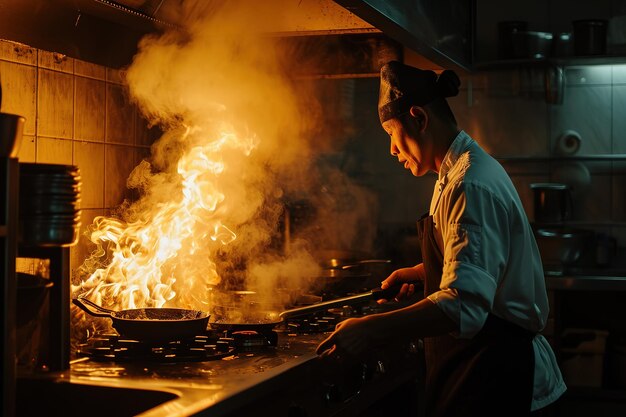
{"x":561,"y":247}
{"x":530,"y":44}
{"x":506,"y":31}
{"x":11,"y":128}
{"x":590,"y":37}
{"x":552,"y":202}
{"x":344,"y":271}
{"x":150,"y":323}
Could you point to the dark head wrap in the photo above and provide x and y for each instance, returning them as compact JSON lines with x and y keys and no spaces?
{"x":403,"y":86}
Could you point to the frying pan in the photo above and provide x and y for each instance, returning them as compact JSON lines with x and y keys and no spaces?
{"x":258,"y":326}
{"x":150,"y":323}
{"x":265,"y":323}
{"x":244,"y":317}
{"x":345,"y":259}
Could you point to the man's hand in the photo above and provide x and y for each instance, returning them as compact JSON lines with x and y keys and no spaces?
{"x":351,"y":336}
{"x":403,"y":275}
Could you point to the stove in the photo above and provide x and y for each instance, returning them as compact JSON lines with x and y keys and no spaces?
{"x":238,"y":373}
{"x":212,"y":345}
{"x":112,"y":347}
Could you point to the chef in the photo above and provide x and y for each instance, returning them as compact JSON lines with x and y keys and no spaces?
{"x":485,"y":297}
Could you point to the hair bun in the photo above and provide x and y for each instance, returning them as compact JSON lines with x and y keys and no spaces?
{"x":448,"y":84}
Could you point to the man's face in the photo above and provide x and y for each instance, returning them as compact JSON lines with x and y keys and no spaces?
{"x":407,"y":144}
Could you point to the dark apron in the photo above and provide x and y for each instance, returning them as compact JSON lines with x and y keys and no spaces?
{"x":488,"y":375}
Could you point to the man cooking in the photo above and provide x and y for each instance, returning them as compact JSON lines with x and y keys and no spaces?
{"x":485,"y":297}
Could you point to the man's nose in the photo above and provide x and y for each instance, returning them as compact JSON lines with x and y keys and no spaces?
{"x":393,"y":150}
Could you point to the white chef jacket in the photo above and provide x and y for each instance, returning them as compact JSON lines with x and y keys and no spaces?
{"x":491,"y":263}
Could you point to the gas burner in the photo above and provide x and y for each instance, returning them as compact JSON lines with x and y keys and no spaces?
{"x":111,"y":347}
{"x":323,"y":321}
{"x":250,"y":340}
{"x":326,"y":320}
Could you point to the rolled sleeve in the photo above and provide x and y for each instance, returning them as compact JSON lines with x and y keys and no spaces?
{"x":467,"y":301}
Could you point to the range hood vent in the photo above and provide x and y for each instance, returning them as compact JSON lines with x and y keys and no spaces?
{"x":441,"y":31}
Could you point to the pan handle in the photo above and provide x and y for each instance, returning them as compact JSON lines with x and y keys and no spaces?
{"x":87,"y":306}
{"x":365,"y":262}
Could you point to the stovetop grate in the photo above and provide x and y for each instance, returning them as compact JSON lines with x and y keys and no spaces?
{"x":111,"y":347}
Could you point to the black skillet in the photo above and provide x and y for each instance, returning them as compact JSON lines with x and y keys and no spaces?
{"x":265,"y":323}
{"x":150,"y":323}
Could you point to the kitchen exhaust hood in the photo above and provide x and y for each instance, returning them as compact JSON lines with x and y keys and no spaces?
{"x":356,"y":35}
{"x":441,"y":31}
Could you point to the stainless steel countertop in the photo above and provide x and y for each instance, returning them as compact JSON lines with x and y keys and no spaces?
{"x":603,"y":281}
{"x":272,"y":377}
{"x":210,"y":387}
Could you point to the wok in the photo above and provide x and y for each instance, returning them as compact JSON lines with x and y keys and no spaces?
{"x":150,"y":323}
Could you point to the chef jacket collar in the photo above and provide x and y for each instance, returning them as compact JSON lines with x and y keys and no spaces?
{"x":459,"y":145}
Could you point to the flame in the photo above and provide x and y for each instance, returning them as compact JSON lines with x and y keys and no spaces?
{"x":239,"y":135}
{"x":149,"y":259}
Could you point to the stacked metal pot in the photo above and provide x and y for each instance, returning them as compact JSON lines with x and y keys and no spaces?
{"x":49,"y":207}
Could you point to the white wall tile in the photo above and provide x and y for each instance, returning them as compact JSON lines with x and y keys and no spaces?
{"x":89,"y":109}
{"x":19,"y":92}
{"x":619,"y":74}
{"x":18,"y":52}
{"x":28,"y":150}
{"x":618,"y":109}
{"x":55,"y":104}
{"x":56,"y":61}
{"x":54,"y":151}
{"x":592,"y":204}
{"x":589,"y":75}
{"x":87,"y":69}
{"x":119,"y":162}
{"x":120,"y":116}
{"x":89,"y":157}
{"x":586,"y":110}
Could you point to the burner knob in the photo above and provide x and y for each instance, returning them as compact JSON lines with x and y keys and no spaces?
{"x":367,"y":372}
{"x":380,"y":367}
{"x":332,"y":394}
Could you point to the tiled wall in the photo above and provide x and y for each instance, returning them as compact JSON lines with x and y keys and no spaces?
{"x":507,"y":113}
{"x":517,"y":125}
{"x":76,"y":113}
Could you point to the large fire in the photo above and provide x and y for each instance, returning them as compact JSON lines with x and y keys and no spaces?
{"x":212,"y":192}
{"x":149,"y":259}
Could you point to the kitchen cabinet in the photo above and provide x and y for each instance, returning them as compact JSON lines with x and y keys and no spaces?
{"x":589,"y":305}
{"x":58,"y":346}
{"x":8,"y":248}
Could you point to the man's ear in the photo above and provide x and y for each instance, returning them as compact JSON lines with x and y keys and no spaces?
{"x":420,"y":116}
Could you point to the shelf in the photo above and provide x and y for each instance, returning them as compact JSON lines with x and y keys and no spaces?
{"x":555,"y":61}
{"x":586,"y":283}
{"x":559,"y":158}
